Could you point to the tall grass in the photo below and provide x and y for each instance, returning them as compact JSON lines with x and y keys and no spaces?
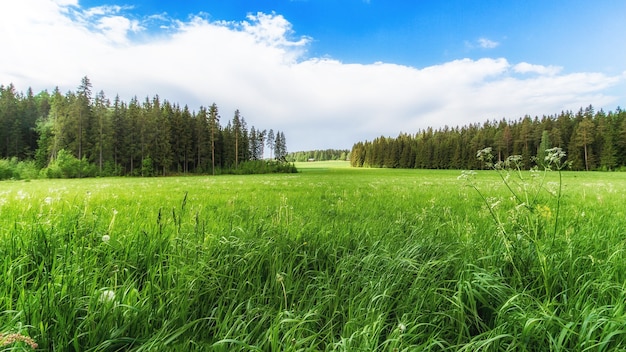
{"x":335,"y":259}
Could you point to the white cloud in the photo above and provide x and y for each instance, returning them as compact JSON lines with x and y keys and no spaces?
{"x":487,"y":44}
{"x":102,"y":10}
{"x":66,"y":2}
{"x":260,"y":67}
{"x":116,"y":28}
{"x":524,"y":67}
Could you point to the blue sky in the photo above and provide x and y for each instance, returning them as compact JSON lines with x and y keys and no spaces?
{"x":329,"y":72}
{"x":576,"y":34}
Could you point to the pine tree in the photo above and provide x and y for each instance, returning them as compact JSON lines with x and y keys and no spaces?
{"x":271,"y":142}
{"x":280,"y":146}
{"x":103,"y":126}
{"x":9,"y":122}
{"x":83,"y":115}
{"x":162,"y":153}
{"x":583,"y":138}
{"x":237,"y":135}
{"x":131,"y":142}
{"x":202,"y":139}
{"x":214,"y":126}
{"x":543,"y":146}
{"x":119,"y":121}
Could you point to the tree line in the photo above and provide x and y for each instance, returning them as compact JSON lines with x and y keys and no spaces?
{"x":592,"y":140}
{"x":89,"y":135}
{"x":319,"y":155}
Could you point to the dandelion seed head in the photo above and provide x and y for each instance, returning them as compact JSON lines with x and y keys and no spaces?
{"x":106,"y":238}
{"x":107,"y":296}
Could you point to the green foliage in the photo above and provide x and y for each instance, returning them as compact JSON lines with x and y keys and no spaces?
{"x":7,"y":169}
{"x":68,"y":166}
{"x":592,"y":141}
{"x":117,"y":138}
{"x":147,"y":167}
{"x":19,"y":170}
{"x":262,"y":167}
{"x":318,"y":155}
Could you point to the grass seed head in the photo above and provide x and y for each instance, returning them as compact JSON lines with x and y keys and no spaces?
{"x":8,"y":339}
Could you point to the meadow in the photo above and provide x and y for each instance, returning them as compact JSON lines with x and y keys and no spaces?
{"x":328,"y":259}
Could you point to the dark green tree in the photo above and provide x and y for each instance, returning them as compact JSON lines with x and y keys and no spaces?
{"x":583,"y":138}
{"x":214,"y":127}
{"x":104,"y":133}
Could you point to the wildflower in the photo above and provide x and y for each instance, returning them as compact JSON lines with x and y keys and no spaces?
{"x":7,"y":339}
{"x":401,"y":328}
{"x":552,"y":188}
{"x":48,"y":200}
{"x":493,"y":202}
{"x":466,"y":175}
{"x":107,"y":296}
{"x":485,"y":154}
{"x":554,"y":155}
{"x":106,"y":238}
{"x":513,"y":160}
{"x":544,"y":211}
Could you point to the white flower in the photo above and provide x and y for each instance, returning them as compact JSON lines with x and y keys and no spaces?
{"x":466,"y":175}
{"x":48,"y":200}
{"x":106,"y":238}
{"x":485,"y":154}
{"x":401,"y":328}
{"x":107,"y":296}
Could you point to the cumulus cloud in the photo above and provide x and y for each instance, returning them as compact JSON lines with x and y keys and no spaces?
{"x":260,"y":66}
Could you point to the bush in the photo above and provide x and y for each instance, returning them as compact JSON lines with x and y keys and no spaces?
{"x":18,"y":170}
{"x":27,"y":170}
{"x":147,"y":169}
{"x":7,"y":168}
{"x":67,"y":165}
{"x":262,"y":167}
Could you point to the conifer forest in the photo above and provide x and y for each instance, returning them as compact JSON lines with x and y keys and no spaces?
{"x":82,"y":134}
{"x":592,"y":140}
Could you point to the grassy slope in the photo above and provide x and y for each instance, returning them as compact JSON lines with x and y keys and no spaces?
{"x":331,"y":258}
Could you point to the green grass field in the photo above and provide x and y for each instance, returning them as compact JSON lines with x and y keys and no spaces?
{"x":331,"y":258}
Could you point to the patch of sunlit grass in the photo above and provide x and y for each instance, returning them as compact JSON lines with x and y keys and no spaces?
{"x":337,"y":259}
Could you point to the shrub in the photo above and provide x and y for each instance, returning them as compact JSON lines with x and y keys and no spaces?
{"x":27,"y":170}
{"x":263,"y":167}
{"x":67,"y":165}
{"x":7,"y":169}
